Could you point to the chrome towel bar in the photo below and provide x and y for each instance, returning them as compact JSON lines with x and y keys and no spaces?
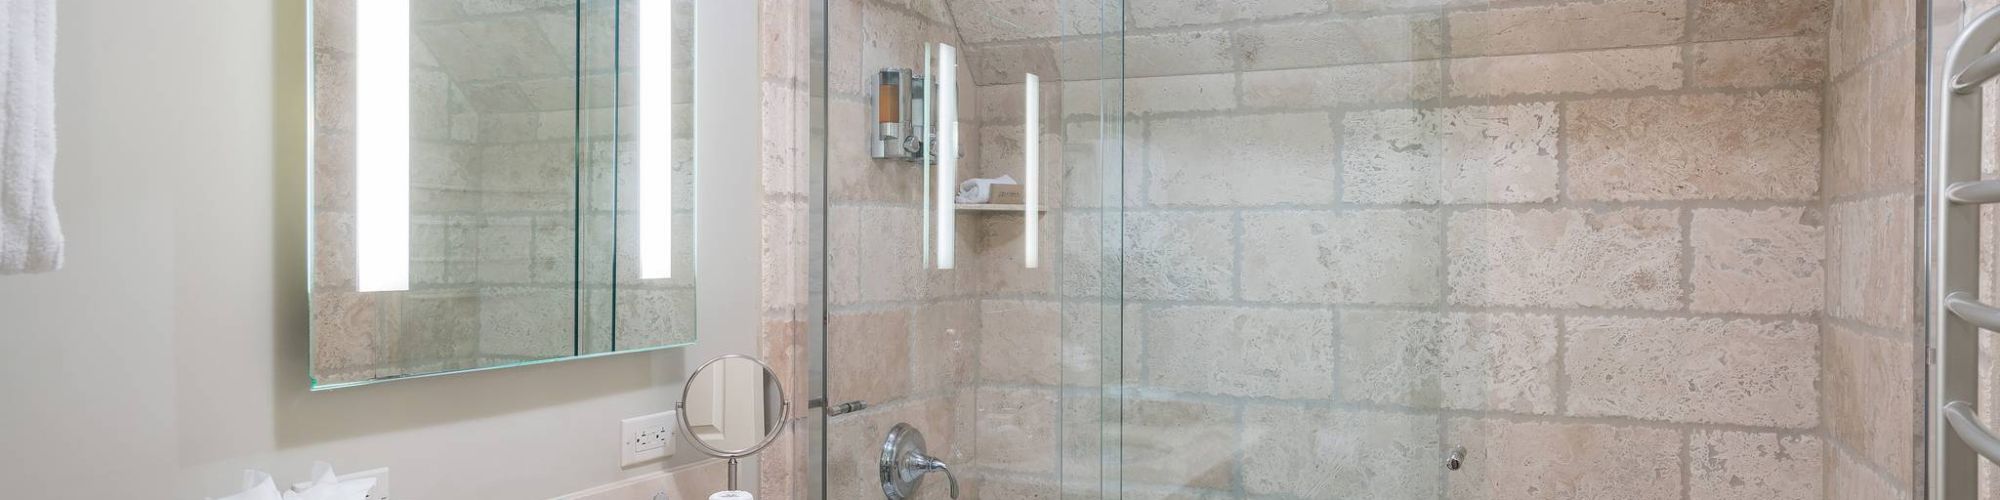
{"x":1965,"y":423}
{"x":1954,"y":189}
{"x":1974,"y":193}
{"x":1967,"y":308}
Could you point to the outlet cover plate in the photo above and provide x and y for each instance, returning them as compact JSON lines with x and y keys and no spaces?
{"x":646,"y":438}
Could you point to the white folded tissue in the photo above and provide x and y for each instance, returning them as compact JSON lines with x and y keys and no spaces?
{"x":981,"y":190}
{"x":731,"y":495}
{"x":325,"y":485}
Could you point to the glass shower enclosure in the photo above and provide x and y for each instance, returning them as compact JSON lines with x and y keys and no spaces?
{"x":1383,"y":249}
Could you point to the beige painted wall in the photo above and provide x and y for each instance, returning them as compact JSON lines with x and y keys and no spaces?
{"x":170,"y":353}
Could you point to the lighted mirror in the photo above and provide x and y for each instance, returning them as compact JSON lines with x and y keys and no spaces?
{"x":498,"y":183}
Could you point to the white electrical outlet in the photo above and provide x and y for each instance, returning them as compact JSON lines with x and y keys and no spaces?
{"x":646,"y":438}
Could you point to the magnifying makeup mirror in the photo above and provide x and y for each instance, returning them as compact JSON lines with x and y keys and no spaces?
{"x":733,"y":407}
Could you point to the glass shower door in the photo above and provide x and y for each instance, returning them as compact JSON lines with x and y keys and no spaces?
{"x":978,"y":320}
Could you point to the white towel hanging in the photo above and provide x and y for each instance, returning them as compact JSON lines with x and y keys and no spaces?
{"x":30,"y":235}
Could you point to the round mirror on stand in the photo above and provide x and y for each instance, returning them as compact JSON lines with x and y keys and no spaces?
{"x":732,"y":407}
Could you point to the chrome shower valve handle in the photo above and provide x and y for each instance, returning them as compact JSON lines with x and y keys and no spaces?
{"x":905,"y":462}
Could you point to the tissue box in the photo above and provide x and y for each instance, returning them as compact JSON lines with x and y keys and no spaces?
{"x":1007,"y":194}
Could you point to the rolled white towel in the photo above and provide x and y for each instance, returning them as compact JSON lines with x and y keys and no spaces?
{"x":981,"y":190}
{"x":30,"y":236}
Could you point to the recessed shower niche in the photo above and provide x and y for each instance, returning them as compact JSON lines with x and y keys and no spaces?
{"x":496,"y":184}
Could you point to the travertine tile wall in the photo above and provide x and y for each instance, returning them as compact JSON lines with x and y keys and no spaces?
{"x":1871,"y":348}
{"x":1585,"y":240}
{"x":784,"y":62}
{"x":1616,"y":248}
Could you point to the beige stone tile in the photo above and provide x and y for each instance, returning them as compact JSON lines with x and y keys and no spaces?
{"x":869,"y":355}
{"x":944,"y":337}
{"x":1021,"y":342}
{"x":497,"y":47}
{"x":1849,"y":478}
{"x":1763,"y":146}
{"x":1178,"y":53}
{"x":1871,"y":397}
{"x":1134,"y":491}
{"x":333,"y":256}
{"x":652,"y":318}
{"x":1323,"y":257}
{"x":845,"y":45}
{"x":1769,"y":62}
{"x":1179,"y":256}
{"x":1083,"y":256}
{"x":1567,"y":26}
{"x":432,"y":330}
{"x":532,"y":323}
{"x":1001,"y":259}
{"x":1871,"y":266}
{"x":1183,"y":443}
{"x":1768,"y":261}
{"x":897,"y":38}
{"x":1308,"y":452}
{"x":1507,"y":460}
{"x":1000,"y":153}
{"x":1090,"y":327}
{"x":1487,"y":362}
{"x":1566,"y":258}
{"x":1327,"y":42}
{"x":1895,"y":146}
{"x":1860,"y":30}
{"x":1277,"y":159}
{"x":1729,"y":465}
{"x":1174,"y":13}
{"x":1874,"y":127}
{"x":1017,"y":430}
{"x":1369,"y":6}
{"x":1382,"y":83}
{"x":1002,"y":104}
{"x":862,"y":178}
{"x":1696,"y":370}
{"x":983,"y":21}
{"x":333,"y":173}
{"x":347,"y":330}
{"x":1007,"y":63}
{"x":1652,"y":68}
{"x":997,"y":486}
{"x":1738,"y":19}
{"x":1848,"y":169}
{"x":1238,"y":351}
{"x":1472,"y":154}
{"x":1167,"y":94}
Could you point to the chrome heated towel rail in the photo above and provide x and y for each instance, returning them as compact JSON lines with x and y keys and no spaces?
{"x":1956,"y":438}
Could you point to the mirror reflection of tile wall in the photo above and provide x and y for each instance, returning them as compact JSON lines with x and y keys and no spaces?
{"x":522,"y":193}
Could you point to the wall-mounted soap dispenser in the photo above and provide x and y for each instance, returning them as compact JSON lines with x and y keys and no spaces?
{"x":899,"y":99}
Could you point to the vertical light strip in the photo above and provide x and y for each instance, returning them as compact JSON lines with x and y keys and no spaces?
{"x":922,"y":89}
{"x":1031,"y":154}
{"x":947,"y":138}
{"x":382,"y":146}
{"x":656,"y":140}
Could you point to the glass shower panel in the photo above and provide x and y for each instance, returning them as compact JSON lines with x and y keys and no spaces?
{"x":1286,"y":208}
{"x":997,"y":359}
{"x":901,"y":335}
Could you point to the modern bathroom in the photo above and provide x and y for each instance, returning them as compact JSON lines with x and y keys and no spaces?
{"x":1000,"y":249}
